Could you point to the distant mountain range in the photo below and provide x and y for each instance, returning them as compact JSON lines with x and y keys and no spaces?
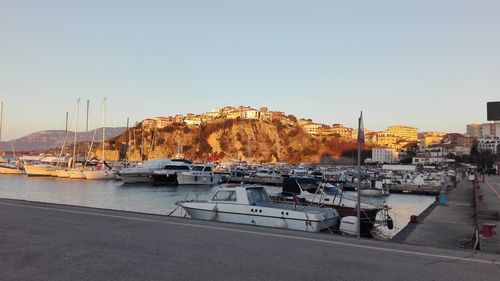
{"x":45,"y":140}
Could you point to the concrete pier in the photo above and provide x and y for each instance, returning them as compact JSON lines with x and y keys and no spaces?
{"x":41,"y":241}
{"x":488,"y":213}
{"x":407,"y":189}
{"x":449,"y":226}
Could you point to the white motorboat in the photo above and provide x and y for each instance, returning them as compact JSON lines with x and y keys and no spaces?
{"x":252,"y":205}
{"x":143,"y":173}
{"x":201,"y":174}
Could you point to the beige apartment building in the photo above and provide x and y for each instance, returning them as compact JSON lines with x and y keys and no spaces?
{"x":403,"y":132}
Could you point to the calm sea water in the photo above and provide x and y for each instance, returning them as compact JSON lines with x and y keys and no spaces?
{"x":161,"y":200}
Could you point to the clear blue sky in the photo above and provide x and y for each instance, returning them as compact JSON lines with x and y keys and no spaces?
{"x":432,"y":64}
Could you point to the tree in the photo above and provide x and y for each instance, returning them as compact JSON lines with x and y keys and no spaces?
{"x":292,"y":118}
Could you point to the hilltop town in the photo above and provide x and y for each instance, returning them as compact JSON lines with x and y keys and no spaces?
{"x":392,"y":145}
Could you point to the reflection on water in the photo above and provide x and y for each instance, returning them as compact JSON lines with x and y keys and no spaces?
{"x":98,"y":194}
{"x":147,"y":198}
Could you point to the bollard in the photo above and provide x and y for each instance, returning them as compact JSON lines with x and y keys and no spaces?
{"x":413,"y":219}
{"x":488,"y":229}
{"x":480,"y":197}
{"x":436,"y":199}
{"x":442,"y":197}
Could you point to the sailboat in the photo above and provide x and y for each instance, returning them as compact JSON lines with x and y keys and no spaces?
{"x":101,"y":171}
{"x":74,"y":172}
{"x":62,"y":172}
{"x":8,"y":167}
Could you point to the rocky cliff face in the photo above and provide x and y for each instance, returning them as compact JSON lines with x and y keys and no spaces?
{"x":250,"y":140}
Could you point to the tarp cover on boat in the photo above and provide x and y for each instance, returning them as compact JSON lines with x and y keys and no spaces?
{"x":293,"y":185}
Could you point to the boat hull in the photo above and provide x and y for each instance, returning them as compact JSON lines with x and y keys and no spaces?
{"x":11,"y":171}
{"x":260,"y":216}
{"x":367,"y":216}
{"x":62,"y":173}
{"x":198,"y":180}
{"x":76,"y":174}
{"x":136,"y":177}
{"x":100,"y":175}
{"x":163,"y":178}
{"x":38,"y":170}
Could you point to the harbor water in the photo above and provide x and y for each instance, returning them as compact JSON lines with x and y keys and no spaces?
{"x":147,"y":198}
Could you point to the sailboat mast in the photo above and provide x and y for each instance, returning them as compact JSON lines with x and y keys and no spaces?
{"x":128,"y":142}
{"x":76,"y":129}
{"x":1,"y":119}
{"x":87,"y":132}
{"x":87,"y":125}
{"x":103,"y":129}
{"x":64,"y":141}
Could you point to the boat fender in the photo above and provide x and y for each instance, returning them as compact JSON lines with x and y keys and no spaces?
{"x":281,"y":223}
{"x":214,"y":213}
{"x":195,"y":178}
{"x":390,"y":223}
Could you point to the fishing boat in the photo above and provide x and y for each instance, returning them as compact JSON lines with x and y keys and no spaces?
{"x":252,"y":205}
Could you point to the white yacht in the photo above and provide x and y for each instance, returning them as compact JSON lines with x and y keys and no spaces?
{"x":200,"y":174}
{"x":144,"y":172}
{"x":252,"y":205}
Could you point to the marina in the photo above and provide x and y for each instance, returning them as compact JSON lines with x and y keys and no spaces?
{"x":154,"y":199}
{"x":250,"y":140}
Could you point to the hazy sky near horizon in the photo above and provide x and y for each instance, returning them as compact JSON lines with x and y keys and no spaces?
{"x":431,"y":64}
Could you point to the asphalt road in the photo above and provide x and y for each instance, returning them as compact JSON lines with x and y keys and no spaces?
{"x":51,"y":242}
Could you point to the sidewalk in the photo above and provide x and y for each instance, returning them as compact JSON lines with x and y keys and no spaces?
{"x":488,"y":212}
{"x":449,"y":226}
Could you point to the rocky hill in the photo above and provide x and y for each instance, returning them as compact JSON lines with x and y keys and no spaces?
{"x":252,"y":140}
{"x":50,"y":139}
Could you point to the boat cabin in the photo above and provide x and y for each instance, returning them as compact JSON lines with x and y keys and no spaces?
{"x":202,"y":168}
{"x":251,"y":195}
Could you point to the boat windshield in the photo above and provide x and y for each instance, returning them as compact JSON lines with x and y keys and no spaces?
{"x":197,"y":168}
{"x":257,"y":196}
{"x":177,"y":168}
{"x":332,"y":190}
{"x":225,"y":195}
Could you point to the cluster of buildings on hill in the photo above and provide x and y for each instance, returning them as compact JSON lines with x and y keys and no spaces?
{"x":227,"y":112}
{"x":390,"y":145}
{"x":435,"y":147}
{"x":487,"y":136}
